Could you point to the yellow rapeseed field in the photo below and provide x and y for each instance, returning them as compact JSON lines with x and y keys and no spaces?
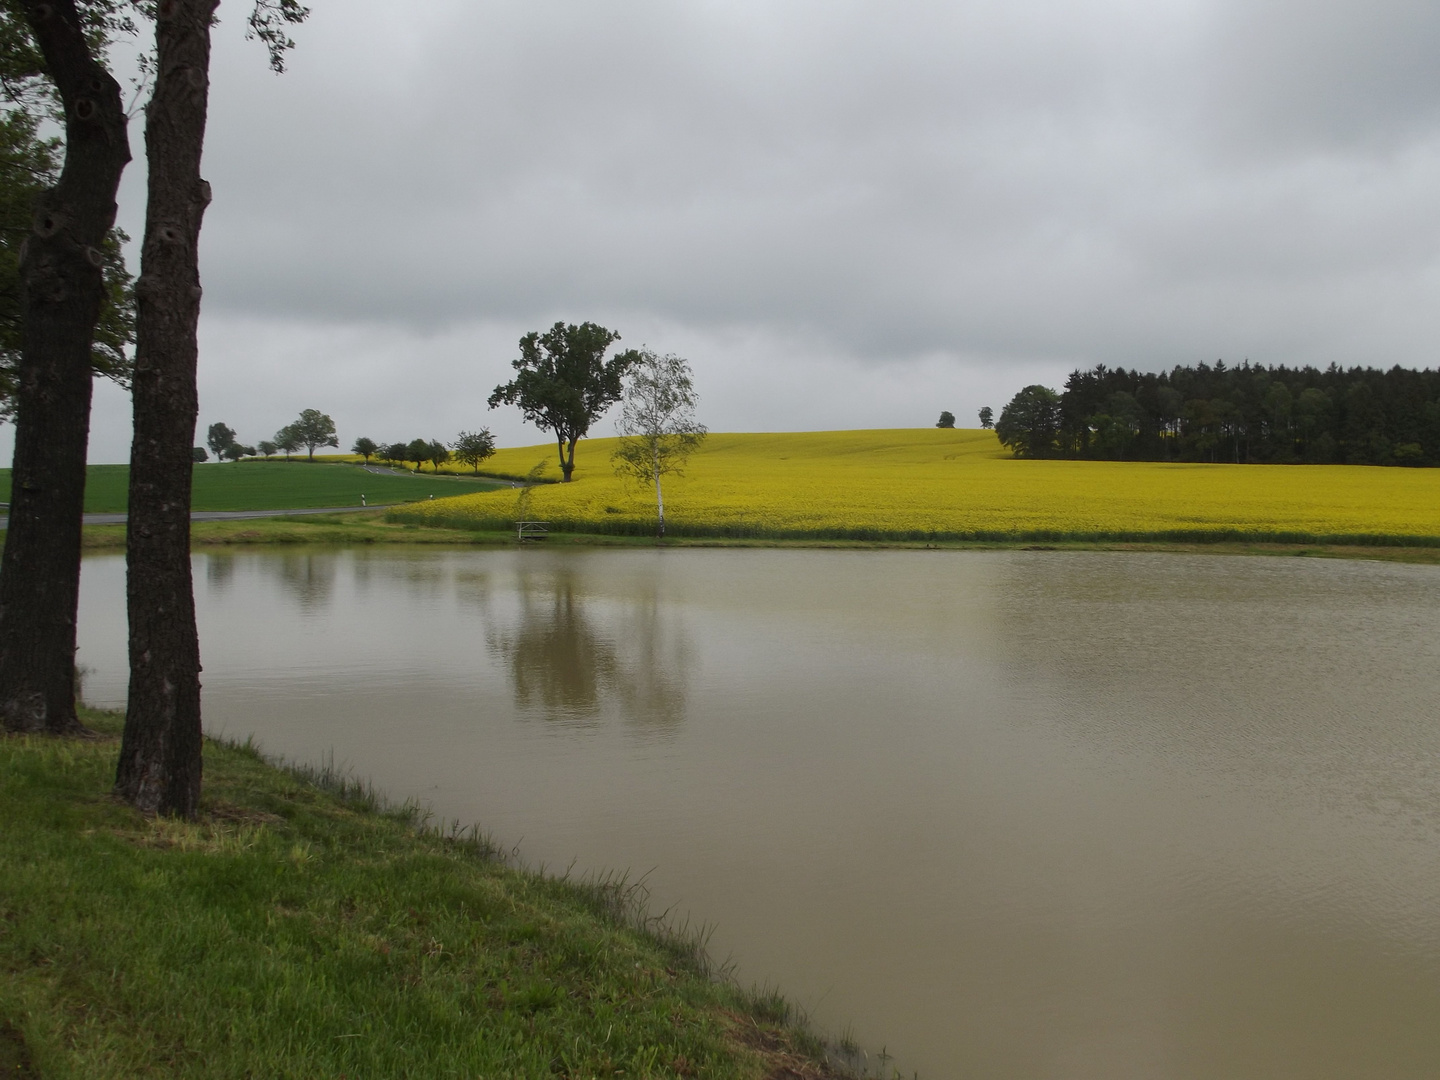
{"x":932,"y":483}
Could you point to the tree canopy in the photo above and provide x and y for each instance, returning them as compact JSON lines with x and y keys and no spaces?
{"x":564,"y":383}
{"x":473,"y":447}
{"x":287,"y":440}
{"x":1030,"y":423}
{"x":1245,"y":413}
{"x":219,"y":438}
{"x":947,"y":419}
{"x":657,"y":425}
{"x":312,"y":429}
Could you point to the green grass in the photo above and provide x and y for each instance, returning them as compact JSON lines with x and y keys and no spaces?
{"x":273,"y":485}
{"x":300,"y":930}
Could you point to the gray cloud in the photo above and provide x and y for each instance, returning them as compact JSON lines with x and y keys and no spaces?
{"x":926,"y":202}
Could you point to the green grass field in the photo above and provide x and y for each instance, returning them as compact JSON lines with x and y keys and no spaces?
{"x":297,"y":930}
{"x":274,"y":485}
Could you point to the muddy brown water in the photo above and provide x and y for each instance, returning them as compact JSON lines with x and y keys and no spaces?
{"x":1010,"y":815}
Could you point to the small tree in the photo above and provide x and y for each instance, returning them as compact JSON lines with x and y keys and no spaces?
{"x":267,"y":447}
{"x":314,"y":428}
{"x":233,"y":452}
{"x":198,"y":455}
{"x":365,"y":448}
{"x":393,"y":453}
{"x":437,"y":454}
{"x":987,"y":417}
{"x":218,"y":438}
{"x":473,"y":447}
{"x":947,"y":419}
{"x":417,"y":451}
{"x":657,"y":423}
{"x":287,"y":440}
{"x":565,"y":383}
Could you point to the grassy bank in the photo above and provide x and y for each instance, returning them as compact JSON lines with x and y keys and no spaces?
{"x":934,"y":485}
{"x":364,"y":529}
{"x":332,"y":529}
{"x":273,"y":485}
{"x":297,"y":930}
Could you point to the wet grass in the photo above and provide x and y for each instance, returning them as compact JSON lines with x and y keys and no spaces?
{"x":303,"y":928}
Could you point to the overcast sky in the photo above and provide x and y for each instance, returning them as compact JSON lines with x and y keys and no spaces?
{"x":844,"y":214}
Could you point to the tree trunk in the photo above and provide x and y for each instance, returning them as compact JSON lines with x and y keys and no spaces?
{"x":659,"y":498}
{"x":60,"y":271}
{"x":568,"y":466}
{"x":159,"y":769}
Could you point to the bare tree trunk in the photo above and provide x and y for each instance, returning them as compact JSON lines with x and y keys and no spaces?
{"x":159,"y":769}
{"x":60,"y":268}
{"x":659,"y":498}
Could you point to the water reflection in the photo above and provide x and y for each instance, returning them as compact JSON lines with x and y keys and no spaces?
{"x":309,"y":578}
{"x":1028,"y":816}
{"x":579,"y":660}
{"x":219,"y":571}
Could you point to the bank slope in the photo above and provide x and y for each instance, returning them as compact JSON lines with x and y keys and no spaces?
{"x":292,"y":932}
{"x":919,"y":484}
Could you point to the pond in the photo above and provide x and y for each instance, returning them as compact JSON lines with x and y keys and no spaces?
{"x":1011,"y":814}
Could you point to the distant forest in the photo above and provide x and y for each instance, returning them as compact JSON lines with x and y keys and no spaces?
{"x":1249,"y":413}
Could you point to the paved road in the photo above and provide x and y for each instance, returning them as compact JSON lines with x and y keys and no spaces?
{"x":228,"y":515}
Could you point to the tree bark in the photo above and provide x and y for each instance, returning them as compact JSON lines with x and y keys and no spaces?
{"x":160,"y":769}
{"x":61,"y":273}
{"x":659,"y":497}
{"x":567,"y":465}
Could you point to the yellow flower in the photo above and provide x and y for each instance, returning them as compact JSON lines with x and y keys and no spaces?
{"x":933,"y":483}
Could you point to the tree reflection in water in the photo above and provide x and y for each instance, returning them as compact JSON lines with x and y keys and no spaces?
{"x":219,"y":569}
{"x":582,"y":660}
{"x":310,"y":579}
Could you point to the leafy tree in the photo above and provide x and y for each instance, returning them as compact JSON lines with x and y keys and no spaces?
{"x":657,"y":425}
{"x":395,"y":452}
{"x":287,"y":440}
{"x":365,"y":448}
{"x":423,"y":450}
{"x":473,"y":447}
{"x":947,"y":419}
{"x":234,"y":452}
{"x":198,"y":455}
{"x":987,"y":417}
{"x":219,"y":438}
{"x":1030,"y":424}
{"x":565,"y":383}
{"x":1119,"y":426}
{"x":267,"y":447}
{"x":314,"y":428}
{"x":159,"y":767}
{"x":52,"y":60}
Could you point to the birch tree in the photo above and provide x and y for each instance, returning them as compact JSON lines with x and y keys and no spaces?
{"x":657,"y":425}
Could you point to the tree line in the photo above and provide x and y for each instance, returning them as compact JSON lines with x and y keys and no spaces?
{"x":1248,"y":413}
{"x":470,"y":448}
{"x":311,"y":430}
